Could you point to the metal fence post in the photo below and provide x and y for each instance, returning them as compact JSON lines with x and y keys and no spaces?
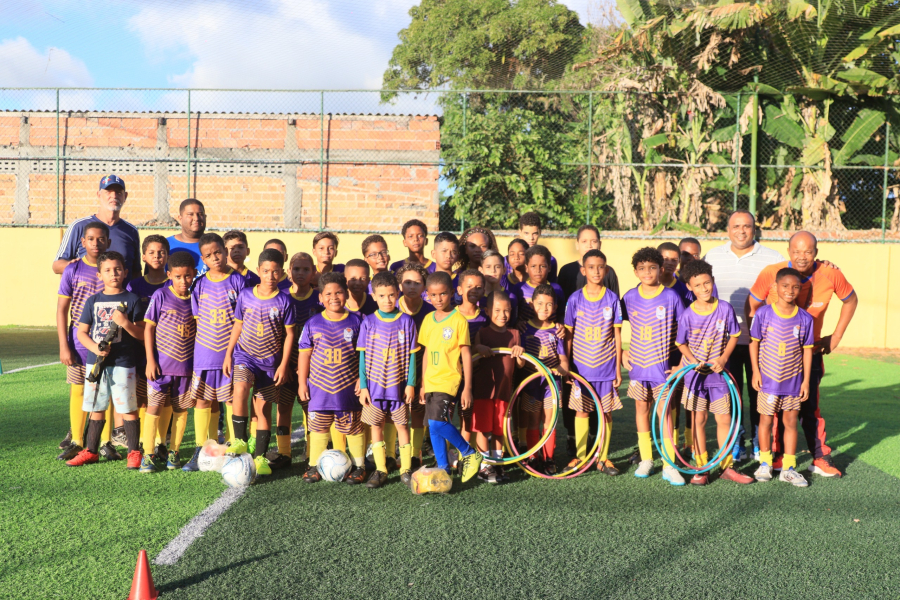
{"x":590,"y":152}
{"x":754,"y":139}
{"x":189,"y":145}
{"x":884,"y":195}
{"x":321,"y":158}
{"x":58,"y":213}
{"x":737,"y":152}
{"x":462,"y":219}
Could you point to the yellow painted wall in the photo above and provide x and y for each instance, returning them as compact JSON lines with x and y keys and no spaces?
{"x":28,"y":291}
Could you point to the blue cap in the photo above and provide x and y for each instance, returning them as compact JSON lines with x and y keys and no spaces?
{"x":111,"y":180}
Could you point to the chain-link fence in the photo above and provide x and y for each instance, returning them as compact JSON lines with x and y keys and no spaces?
{"x":370,"y":160}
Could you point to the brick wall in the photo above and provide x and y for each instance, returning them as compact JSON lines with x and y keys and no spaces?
{"x":251,"y":171}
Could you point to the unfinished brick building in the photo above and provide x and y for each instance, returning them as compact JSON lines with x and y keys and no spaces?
{"x":253,"y":171}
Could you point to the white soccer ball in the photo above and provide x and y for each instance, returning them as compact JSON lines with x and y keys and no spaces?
{"x":334,"y":465}
{"x":239,"y":471}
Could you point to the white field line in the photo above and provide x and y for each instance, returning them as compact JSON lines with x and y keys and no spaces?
{"x":31,"y":367}
{"x":199,"y":524}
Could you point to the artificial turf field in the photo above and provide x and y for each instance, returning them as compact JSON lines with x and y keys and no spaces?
{"x":70,"y":533}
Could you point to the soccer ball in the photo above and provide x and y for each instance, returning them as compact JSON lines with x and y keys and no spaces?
{"x":239,"y":471}
{"x":430,"y":481}
{"x":333,"y":465}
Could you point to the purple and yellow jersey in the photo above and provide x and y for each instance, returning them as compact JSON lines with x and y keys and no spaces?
{"x":782,"y":339}
{"x":305,"y":307}
{"x":389,"y":343}
{"x":175,"y":331}
{"x":250,"y":278}
{"x":417,"y":318}
{"x":80,"y":280}
{"x":476,"y":322}
{"x":284,"y":284}
{"x":592,"y":322}
{"x":707,"y":334}
{"x":212,"y":302}
{"x":429,"y":265}
{"x":654,"y":323}
{"x":543,"y":344}
{"x":144,"y":289}
{"x":523,"y":291}
{"x":368,"y":307}
{"x":334,"y":363}
{"x":265,"y":320}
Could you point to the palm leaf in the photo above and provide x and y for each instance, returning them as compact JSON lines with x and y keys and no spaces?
{"x":860,"y":131}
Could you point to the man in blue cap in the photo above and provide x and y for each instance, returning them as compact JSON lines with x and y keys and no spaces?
{"x":124,"y":237}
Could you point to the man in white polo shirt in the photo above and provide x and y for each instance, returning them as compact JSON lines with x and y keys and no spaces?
{"x":736,"y":265}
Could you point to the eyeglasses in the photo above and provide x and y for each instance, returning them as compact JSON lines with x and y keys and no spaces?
{"x":374,"y":255}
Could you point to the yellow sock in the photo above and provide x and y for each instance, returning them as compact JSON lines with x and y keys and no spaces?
{"x":390,"y":440}
{"x":229,"y":412}
{"x":284,"y":444}
{"x":142,"y":412}
{"x":357,"y":445}
{"x":766,"y":457}
{"x":338,"y":439}
{"x":162,"y":427}
{"x":645,"y":445}
{"x":178,"y":428}
{"x":253,"y":429}
{"x":105,"y":434}
{"x":688,"y":437}
{"x":727,"y":461}
{"x":604,"y":452}
{"x":789,"y":461}
{"x":669,"y":447}
{"x":202,"y":418}
{"x":406,"y":458}
{"x":76,"y":415}
{"x":416,"y":436}
{"x":212,"y":428}
{"x":378,"y":454}
{"x":149,"y":432}
{"x":702,"y":459}
{"x":582,"y":425}
{"x":317,"y":444}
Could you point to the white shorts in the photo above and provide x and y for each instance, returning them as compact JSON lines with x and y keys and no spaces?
{"x":117,"y":384}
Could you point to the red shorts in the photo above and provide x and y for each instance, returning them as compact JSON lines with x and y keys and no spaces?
{"x":488,"y":415}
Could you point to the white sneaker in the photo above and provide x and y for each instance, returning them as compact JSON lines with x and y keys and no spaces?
{"x":793,"y":477}
{"x":763,"y":473}
{"x":645,"y":469}
{"x":673,"y":476}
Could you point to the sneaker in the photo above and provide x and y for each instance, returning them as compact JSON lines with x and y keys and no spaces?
{"x":193,"y":465}
{"x":645,"y":469}
{"x":312,"y":475}
{"x":237,"y":447}
{"x":356,"y":476}
{"x":550,"y":468}
{"x":776,"y":462}
{"x":281,"y":461}
{"x":262,"y":466}
{"x":66,"y":441}
{"x":147,"y":464}
{"x":70,"y":452}
{"x":173,"y":460}
{"x":391,"y":464}
{"x":673,"y":476}
{"x":700,"y":479}
{"x":635,"y":458}
{"x":825,"y":467}
{"x":730,"y":474}
{"x":376,"y":479}
{"x":118,"y":437}
{"x":406,"y":478}
{"x":607,"y":468}
{"x":85,"y":457}
{"x":741,"y":455}
{"x":793,"y":477}
{"x":763,"y":473}
{"x":134,"y":460}
{"x":109,"y":452}
{"x":251,"y":445}
{"x":573,"y":465}
{"x":486,"y":473}
{"x":470,"y":465}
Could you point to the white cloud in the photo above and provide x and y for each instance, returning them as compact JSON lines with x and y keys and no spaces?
{"x":22,"y":65}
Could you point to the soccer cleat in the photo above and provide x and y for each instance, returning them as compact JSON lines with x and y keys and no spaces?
{"x":607,"y":468}
{"x":825,"y":467}
{"x":672,"y":475}
{"x":119,"y":438}
{"x":134,"y":460}
{"x":700,"y":479}
{"x":66,"y":441}
{"x":571,"y":466}
{"x":406,"y":478}
{"x":793,"y":477}
{"x":391,"y":464}
{"x":262,"y":466}
{"x":376,"y":479}
{"x":486,"y":473}
{"x":109,"y":452}
{"x":161,"y":454}
{"x":173,"y":460}
{"x":356,"y":476}
{"x":645,"y":469}
{"x":85,"y":457}
{"x":635,"y":458}
{"x":550,"y":468}
{"x":147,"y":464}
{"x":251,"y":445}
{"x":193,"y":464}
{"x":280,"y":461}
{"x":312,"y":475}
{"x":763,"y":473}
{"x":70,"y":452}
{"x":237,"y":447}
{"x":470,"y":465}
{"x":730,"y":474}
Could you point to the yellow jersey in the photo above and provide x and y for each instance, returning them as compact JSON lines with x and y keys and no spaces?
{"x":442,"y":341}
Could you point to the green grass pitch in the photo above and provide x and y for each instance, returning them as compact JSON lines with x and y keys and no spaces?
{"x":76,"y":532}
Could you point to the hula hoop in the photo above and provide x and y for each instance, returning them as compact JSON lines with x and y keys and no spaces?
{"x":665,"y":424}
{"x":542,"y":371}
{"x":591,"y":456}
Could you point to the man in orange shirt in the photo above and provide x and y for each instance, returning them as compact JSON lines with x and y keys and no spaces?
{"x":818,"y":286}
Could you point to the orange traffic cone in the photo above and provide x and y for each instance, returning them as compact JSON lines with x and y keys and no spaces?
{"x":142,"y":586}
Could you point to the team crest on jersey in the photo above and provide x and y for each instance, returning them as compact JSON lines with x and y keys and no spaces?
{"x":273,"y":313}
{"x":401,"y":336}
{"x":720,"y":325}
{"x":447,"y":333}
{"x":607,"y":313}
{"x":797,"y":331}
{"x":660,"y":312}
{"x":348,"y":335}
